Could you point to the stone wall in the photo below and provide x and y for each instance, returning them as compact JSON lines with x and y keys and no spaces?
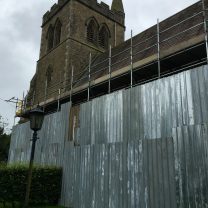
{"x":74,"y":49}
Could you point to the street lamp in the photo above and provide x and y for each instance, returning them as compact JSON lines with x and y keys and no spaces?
{"x":36,"y":117}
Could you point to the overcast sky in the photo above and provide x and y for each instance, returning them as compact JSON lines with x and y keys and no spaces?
{"x":20,"y":38}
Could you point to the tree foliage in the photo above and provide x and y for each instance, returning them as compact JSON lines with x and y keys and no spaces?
{"x":4,"y":142}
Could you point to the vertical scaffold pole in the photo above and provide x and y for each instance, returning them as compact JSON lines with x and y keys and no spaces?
{"x":158,"y":48}
{"x":205,"y":28}
{"x":131,"y":58}
{"x":45,"y":97}
{"x":89,"y":77}
{"x":23,"y":102}
{"x":15,"y":112}
{"x":115,"y":29}
{"x":26,"y":100}
{"x":109,"y":70}
{"x":72,"y":80}
{"x":59,"y":96}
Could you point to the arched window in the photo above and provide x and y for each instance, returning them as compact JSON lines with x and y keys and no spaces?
{"x":92,"y":30}
{"x":57,"y":32}
{"x":104,"y":35}
{"x":50,"y":36}
{"x":49,"y":73}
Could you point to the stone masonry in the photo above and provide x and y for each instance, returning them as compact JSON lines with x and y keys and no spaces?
{"x":73,"y":49}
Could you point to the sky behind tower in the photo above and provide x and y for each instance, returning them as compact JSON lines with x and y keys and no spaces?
{"x":20,"y":38}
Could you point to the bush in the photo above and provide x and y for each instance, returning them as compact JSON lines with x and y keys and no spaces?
{"x":4,"y":146}
{"x":46,"y":184}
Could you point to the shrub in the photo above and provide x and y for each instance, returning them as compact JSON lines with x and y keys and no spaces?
{"x":45,"y":189}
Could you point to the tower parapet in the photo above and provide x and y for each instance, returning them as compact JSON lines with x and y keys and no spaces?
{"x":102,"y":8}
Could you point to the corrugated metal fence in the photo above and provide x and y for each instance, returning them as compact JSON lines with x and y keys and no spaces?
{"x":135,"y":174}
{"x":148,"y":111}
{"x":143,"y":147}
{"x":148,"y":173}
{"x":50,"y":146}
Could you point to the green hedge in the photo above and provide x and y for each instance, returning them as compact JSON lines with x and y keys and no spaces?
{"x":46,"y":184}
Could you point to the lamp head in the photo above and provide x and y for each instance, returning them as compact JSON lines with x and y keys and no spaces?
{"x":36,"y":118}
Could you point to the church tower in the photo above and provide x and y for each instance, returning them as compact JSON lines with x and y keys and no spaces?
{"x":71,"y":30}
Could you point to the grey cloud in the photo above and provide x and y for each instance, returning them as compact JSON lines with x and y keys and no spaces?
{"x":19,"y":48}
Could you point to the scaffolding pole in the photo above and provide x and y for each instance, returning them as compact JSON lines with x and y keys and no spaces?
{"x":89,"y":77}
{"x":45,"y":97}
{"x":59,"y":96}
{"x":15,"y":112}
{"x":23,"y":101}
{"x":72,"y":79}
{"x":205,"y":28}
{"x":25,"y":104}
{"x":131,"y":58}
{"x":158,"y":48}
{"x":109,"y":70}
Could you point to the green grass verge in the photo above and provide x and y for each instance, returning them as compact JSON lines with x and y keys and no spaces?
{"x":8,"y":205}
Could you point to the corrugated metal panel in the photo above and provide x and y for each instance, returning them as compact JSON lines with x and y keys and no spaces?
{"x":50,"y":147}
{"x":101,"y":120}
{"x":155,"y":173}
{"x":191,"y":165}
{"x":119,"y":162}
{"x":120,"y":175}
{"x":147,"y":111}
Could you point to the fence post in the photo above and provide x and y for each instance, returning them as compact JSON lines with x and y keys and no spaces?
{"x":205,"y":28}
{"x":158,"y":48}
{"x":109,"y":71}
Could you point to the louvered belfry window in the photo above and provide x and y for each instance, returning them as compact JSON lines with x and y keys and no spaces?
{"x":92,"y":32}
{"x":103,"y":37}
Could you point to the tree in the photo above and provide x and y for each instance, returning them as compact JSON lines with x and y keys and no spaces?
{"x":1,"y":130}
{"x":4,"y":142}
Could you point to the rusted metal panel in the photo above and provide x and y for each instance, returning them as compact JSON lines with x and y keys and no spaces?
{"x":74,"y":122}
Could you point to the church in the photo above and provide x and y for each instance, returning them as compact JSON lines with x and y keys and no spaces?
{"x":126,"y":120}
{"x":74,"y":33}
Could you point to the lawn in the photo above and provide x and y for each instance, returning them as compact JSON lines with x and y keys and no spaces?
{"x":10,"y":206}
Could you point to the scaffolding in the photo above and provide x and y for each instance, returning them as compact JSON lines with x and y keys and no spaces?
{"x":81,"y":85}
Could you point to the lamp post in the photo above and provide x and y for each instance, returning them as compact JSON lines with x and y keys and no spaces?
{"x":36,"y":117}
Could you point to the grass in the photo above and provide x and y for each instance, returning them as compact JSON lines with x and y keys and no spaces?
{"x":8,"y":205}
